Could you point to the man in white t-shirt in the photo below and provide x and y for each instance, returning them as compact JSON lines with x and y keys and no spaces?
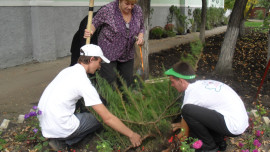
{"x":210,"y":108}
{"x":58,"y":120}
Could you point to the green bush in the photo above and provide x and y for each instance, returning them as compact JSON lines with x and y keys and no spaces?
{"x":147,"y":108}
{"x":266,"y":22}
{"x":215,"y":17}
{"x":169,"y":34}
{"x":156,"y":32}
{"x":180,"y":19}
{"x":180,"y":30}
{"x":259,"y":14}
{"x":169,"y":27}
{"x":193,"y":57}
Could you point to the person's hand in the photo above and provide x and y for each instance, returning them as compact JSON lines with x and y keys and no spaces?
{"x":176,"y":126}
{"x":140,"y":41}
{"x":135,"y":139}
{"x":87,"y":33}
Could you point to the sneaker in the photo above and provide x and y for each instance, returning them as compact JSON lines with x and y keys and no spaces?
{"x":57,"y":145}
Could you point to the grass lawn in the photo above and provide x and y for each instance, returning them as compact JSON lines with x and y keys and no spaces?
{"x":253,"y":24}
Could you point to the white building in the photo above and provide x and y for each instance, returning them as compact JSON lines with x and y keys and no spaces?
{"x":42,"y":30}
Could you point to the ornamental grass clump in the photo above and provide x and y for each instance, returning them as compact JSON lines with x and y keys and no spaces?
{"x":146,"y":108}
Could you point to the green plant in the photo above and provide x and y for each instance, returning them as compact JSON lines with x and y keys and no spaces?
{"x":2,"y":142}
{"x":265,"y":130}
{"x":253,"y":24}
{"x":171,"y":15}
{"x":266,"y":22}
{"x":169,"y":34}
{"x":103,"y":146}
{"x":156,"y":33}
{"x":181,"y":20}
{"x":193,"y":57}
{"x":259,"y":14}
{"x":147,"y":108}
{"x":197,"y":16}
{"x":21,"y":137}
{"x":215,"y":17}
{"x":190,"y":144}
{"x":184,"y":144}
{"x":256,"y":132}
{"x":169,"y":27}
{"x":180,"y":30}
{"x":32,"y":133}
{"x":261,"y":109}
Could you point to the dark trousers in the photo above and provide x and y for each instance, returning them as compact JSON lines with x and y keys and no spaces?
{"x":206,"y":125}
{"x":88,"y":124}
{"x":125,"y":70}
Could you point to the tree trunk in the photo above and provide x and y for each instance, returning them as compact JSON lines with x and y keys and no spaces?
{"x":242,"y":30}
{"x":203,"y":21}
{"x":224,"y":65}
{"x":145,"y":5}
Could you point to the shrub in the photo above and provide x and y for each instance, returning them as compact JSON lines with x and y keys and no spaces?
{"x":169,"y":27}
{"x":180,"y":30}
{"x":169,"y":34}
{"x":215,"y":17}
{"x":259,"y":14}
{"x":156,"y":33}
{"x":266,"y":22}
{"x":147,"y":108}
{"x":193,"y":57}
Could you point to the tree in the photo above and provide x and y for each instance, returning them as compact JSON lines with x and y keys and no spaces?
{"x":224,"y":65}
{"x":250,"y":5}
{"x":203,"y":21}
{"x":145,"y":5}
{"x":228,"y":4}
{"x":266,"y":5}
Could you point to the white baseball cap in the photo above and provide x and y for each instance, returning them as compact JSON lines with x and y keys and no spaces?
{"x":93,"y":50}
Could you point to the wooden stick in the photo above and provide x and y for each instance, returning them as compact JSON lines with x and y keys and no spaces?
{"x":90,"y":16}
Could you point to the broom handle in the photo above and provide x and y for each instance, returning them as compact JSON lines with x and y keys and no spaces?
{"x":90,"y":16}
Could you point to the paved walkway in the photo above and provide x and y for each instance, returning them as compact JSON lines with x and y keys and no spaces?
{"x":163,"y":44}
{"x":21,"y":86}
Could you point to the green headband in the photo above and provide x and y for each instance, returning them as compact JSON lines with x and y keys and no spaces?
{"x":172,"y":72}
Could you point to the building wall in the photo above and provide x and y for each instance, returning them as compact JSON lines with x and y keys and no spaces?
{"x":42,"y":30}
{"x":15,"y":40}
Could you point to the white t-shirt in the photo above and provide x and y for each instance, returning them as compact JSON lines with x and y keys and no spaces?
{"x":220,"y":97}
{"x":58,"y":101}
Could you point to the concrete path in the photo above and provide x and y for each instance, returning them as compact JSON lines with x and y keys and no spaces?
{"x":163,"y":44}
{"x":22,"y":86}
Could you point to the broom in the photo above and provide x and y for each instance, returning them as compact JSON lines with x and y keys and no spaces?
{"x":90,"y":16}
